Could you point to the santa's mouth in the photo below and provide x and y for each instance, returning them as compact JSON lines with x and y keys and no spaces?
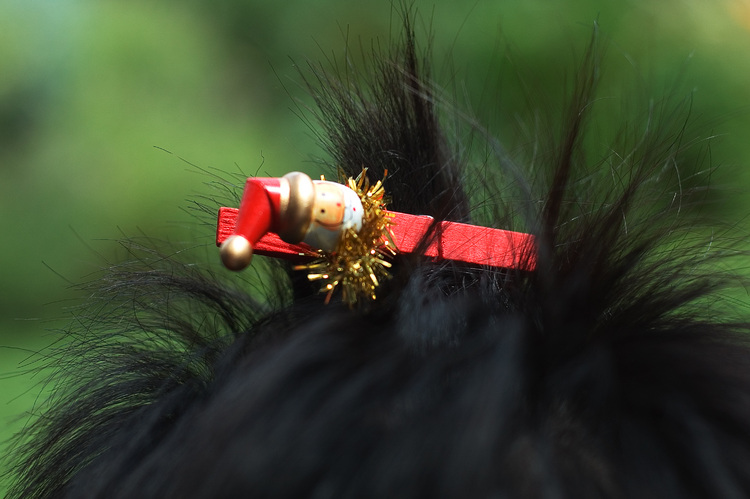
{"x":330,"y":225}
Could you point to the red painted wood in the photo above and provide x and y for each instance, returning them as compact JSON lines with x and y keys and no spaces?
{"x":465,"y":243}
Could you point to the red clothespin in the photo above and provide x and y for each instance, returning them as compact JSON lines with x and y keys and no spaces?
{"x":296,"y":218}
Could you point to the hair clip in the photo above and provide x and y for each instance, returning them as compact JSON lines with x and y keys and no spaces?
{"x":343,"y":234}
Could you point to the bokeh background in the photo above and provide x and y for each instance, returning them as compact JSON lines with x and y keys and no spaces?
{"x":115,"y":115}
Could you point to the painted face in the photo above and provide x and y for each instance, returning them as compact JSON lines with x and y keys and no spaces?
{"x":328,"y":210}
{"x":335,"y":209}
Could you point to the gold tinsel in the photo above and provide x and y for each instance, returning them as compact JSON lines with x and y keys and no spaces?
{"x":358,"y":264}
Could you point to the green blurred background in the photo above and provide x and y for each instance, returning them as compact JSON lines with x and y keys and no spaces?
{"x":100,"y":102}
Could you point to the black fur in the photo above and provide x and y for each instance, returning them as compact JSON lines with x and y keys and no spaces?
{"x":617,"y":369}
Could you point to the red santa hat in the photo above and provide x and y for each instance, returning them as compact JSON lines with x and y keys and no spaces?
{"x":281,"y":205}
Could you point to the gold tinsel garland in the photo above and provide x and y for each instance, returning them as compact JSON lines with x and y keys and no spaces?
{"x":358,"y":263}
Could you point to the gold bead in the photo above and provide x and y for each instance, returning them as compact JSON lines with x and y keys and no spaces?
{"x":236,"y":252}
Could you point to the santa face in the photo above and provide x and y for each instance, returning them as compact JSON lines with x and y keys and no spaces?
{"x":335,"y":209}
{"x":328,"y":210}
